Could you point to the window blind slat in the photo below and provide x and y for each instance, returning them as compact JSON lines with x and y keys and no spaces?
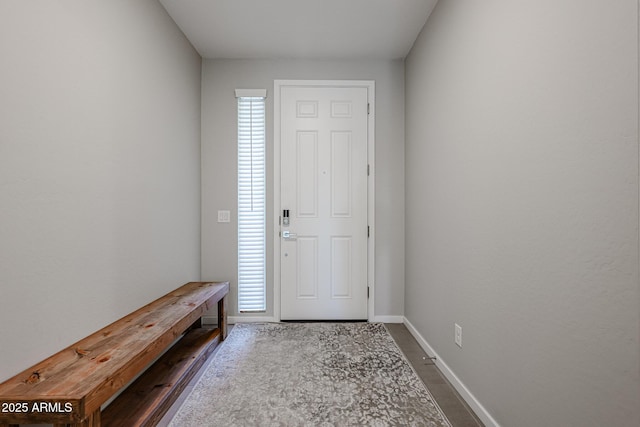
{"x":251,"y":204}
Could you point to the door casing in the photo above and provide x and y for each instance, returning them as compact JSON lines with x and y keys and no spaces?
{"x":370,"y":86}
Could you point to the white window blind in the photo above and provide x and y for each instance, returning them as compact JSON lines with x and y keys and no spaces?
{"x":251,"y":201}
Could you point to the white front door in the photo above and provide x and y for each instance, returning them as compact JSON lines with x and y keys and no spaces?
{"x":323,"y":197}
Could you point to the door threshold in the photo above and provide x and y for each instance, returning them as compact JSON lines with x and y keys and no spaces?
{"x":324,"y":320}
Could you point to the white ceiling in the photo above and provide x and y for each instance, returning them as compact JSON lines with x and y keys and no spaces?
{"x":310,"y":29}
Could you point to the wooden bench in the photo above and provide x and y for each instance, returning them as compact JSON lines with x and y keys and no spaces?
{"x":69,"y":388}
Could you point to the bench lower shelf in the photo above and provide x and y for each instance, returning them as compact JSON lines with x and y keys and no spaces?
{"x":146,"y":401}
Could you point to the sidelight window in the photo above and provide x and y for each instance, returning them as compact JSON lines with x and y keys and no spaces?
{"x":251,"y":201}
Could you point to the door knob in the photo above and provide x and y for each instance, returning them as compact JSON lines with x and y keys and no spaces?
{"x":289,"y":235}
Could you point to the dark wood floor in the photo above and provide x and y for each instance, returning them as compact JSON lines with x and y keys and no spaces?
{"x":458,"y":412}
{"x":449,"y":400}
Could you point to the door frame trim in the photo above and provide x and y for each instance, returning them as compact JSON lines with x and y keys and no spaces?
{"x":370,"y":86}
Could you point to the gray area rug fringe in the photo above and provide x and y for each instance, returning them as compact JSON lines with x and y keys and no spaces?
{"x":309,"y":374}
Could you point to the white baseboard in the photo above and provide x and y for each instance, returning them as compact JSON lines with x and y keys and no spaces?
{"x":389,"y":319}
{"x":212,"y":320}
{"x":251,"y":319}
{"x":232,"y":320}
{"x":471,"y":400}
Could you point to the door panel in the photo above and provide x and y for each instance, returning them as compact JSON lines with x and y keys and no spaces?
{"x":341,"y":171}
{"x":307,"y":267}
{"x":307,"y":174}
{"x":323,"y":262}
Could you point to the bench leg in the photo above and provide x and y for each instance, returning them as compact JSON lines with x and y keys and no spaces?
{"x":222,"y":318}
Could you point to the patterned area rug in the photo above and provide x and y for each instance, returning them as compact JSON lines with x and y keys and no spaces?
{"x":309,"y":374}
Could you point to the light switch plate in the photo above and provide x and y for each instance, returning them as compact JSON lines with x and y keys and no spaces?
{"x":224,"y":216}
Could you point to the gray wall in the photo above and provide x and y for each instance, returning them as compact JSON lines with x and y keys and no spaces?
{"x":522,"y":205}
{"x":219,"y":170}
{"x":99,"y":168}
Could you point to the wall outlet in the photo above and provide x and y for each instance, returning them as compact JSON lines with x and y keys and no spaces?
{"x":457,"y":336}
{"x":224,"y":216}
